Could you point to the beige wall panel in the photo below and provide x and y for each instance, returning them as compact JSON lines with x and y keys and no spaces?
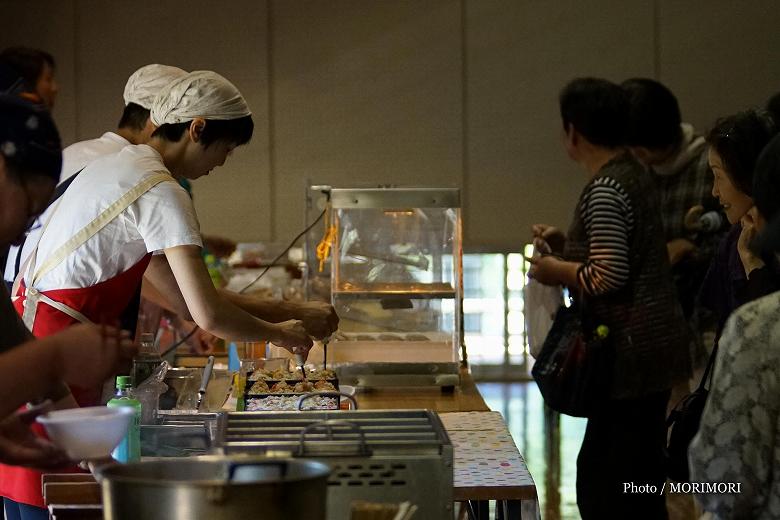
{"x":47,"y":25}
{"x":519,"y":55}
{"x":364,"y":93}
{"x":114,"y":39}
{"x":720,"y":56}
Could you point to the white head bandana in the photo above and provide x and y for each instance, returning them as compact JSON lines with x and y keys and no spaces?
{"x":201,"y":93}
{"x":145,"y":83}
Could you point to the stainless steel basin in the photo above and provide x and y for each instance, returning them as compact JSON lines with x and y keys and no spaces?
{"x":179,"y":435}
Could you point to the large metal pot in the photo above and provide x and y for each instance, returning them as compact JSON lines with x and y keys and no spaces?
{"x":215,"y":487}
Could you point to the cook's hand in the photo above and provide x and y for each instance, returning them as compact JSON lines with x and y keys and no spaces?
{"x":750,"y":261}
{"x":551,"y":235}
{"x":19,"y":446}
{"x":319,"y":319}
{"x":89,"y":354}
{"x":292,"y":335}
{"x":544,"y":269}
{"x":678,"y":249}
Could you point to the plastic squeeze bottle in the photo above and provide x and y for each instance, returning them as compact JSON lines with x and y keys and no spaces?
{"x":129,"y":449}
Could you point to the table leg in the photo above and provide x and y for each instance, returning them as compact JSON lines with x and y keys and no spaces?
{"x":479,"y":509}
{"x":508,"y":510}
{"x":517,"y":510}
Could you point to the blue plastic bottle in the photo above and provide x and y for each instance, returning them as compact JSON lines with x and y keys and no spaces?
{"x":129,"y":450}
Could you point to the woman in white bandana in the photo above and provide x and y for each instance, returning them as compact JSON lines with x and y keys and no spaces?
{"x":106,"y":230}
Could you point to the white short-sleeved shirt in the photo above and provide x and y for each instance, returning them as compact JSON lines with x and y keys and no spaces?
{"x":161,"y":218}
{"x":74,"y":158}
{"x":78,"y":155}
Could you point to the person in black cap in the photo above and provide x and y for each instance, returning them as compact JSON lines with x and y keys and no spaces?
{"x":740,"y":427}
{"x":30,"y":161}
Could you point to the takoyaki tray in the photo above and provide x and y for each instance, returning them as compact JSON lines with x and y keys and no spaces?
{"x":263,"y":387}
{"x":277,"y":402}
{"x":269,"y":391}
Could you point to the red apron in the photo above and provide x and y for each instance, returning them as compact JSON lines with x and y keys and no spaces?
{"x":103,"y":302}
{"x":100,"y":303}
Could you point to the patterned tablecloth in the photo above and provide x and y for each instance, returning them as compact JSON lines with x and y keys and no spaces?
{"x":488,"y":465}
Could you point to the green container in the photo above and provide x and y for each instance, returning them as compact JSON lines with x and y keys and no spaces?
{"x":129,"y":450}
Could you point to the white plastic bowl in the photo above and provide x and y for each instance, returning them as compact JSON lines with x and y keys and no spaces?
{"x":88,"y":433}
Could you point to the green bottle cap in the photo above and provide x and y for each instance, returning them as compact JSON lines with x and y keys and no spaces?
{"x":602,"y":331}
{"x":124,"y":382}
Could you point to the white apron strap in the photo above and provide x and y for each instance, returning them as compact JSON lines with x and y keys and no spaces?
{"x":32,"y":295}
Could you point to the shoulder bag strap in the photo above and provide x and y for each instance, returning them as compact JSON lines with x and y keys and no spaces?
{"x":706,"y":377}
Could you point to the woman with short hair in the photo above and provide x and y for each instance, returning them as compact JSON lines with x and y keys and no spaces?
{"x":125,"y":215}
{"x":737,"y":275}
{"x":614,"y":258}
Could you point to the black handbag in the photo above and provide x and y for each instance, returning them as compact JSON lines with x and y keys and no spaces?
{"x":683,"y":423}
{"x":574,"y":367}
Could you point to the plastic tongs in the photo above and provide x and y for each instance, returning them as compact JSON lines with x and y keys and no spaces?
{"x":204,"y":382}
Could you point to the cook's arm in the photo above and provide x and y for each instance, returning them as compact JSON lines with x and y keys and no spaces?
{"x":319,"y":318}
{"x":218,"y":315}
{"x":161,"y":288}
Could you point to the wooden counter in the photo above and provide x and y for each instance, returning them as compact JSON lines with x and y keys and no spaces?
{"x":487,"y":464}
{"x":465,"y":398}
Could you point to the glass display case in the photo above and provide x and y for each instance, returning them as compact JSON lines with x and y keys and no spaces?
{"x":394,"y":273}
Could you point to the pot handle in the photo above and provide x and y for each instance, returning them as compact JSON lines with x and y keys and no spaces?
{"x":328,"y":424}
{"x":304,"y":397}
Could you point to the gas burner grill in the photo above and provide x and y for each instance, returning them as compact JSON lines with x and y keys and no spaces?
{"x":375,"y":455}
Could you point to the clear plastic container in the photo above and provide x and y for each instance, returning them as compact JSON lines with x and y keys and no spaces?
{"x":147,"y":360}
